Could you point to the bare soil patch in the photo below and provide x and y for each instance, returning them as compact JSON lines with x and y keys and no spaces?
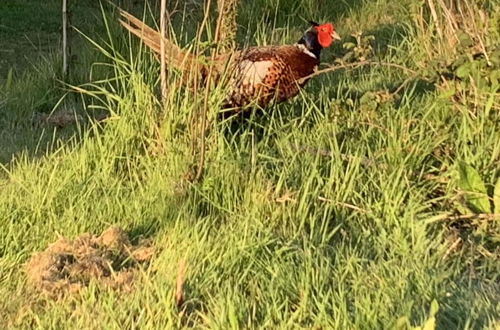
{"x":70,"y":265}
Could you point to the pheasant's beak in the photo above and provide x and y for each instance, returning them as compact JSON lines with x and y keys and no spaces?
{"x":335,"y":35}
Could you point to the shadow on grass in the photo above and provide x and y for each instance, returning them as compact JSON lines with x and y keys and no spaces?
{"x":35,"y":118}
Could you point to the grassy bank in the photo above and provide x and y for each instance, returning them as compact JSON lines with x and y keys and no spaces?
{"x":366,"y":202}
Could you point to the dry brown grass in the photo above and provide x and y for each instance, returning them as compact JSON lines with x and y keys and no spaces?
{"x":226,"y":24}
{"x":179,"y":285}
{"x":444,"y":24}
{"x":70,"y":265}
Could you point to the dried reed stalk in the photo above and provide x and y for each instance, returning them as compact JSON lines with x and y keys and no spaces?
{"x":450,"y":18}
{"x":163,"y":64}
{"x":226,"y":24}
{"x":225,"y":39}
{"x":65,"y":37}
{"x":179,"y":285}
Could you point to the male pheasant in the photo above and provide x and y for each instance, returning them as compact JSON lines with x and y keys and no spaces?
{"x":256,"y":75}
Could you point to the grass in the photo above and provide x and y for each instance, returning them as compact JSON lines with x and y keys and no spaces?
{"x":336,"y":210}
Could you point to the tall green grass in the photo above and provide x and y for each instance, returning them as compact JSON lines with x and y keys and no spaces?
{"x":331,"y":211}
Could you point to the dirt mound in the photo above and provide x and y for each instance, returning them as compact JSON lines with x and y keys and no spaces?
{"x":68,"y":266}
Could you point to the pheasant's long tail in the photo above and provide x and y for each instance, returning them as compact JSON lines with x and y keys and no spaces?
{"x":174,"y":55}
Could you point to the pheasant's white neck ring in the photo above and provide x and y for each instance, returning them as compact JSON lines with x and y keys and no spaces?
{"x":307,"y":51}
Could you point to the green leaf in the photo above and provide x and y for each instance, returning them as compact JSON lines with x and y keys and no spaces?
{"x":430,"y":324}
{"x":367,"y":97}
{"x":463,"y":70}
{"x":348,"y":45}
{"x":402,"y":323}
{"x":434,"y":308}
{"x":446,"y":94}
{"x":495,"y":57}
{"x":461,"y":59}
{"x":465,"y":40}
{"x":481,"y":83}
{"x":489,"y":104}
{"x":471,"y":183}
{"x":10,"y":78}
{"x":496,"y":196}
{"x":494,"y":77}
{"x":233,"y":318}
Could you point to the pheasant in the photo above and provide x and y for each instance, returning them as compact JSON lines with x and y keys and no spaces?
{"x":256,"y":75}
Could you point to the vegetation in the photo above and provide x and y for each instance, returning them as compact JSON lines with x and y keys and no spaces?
{"x":369,"y":201}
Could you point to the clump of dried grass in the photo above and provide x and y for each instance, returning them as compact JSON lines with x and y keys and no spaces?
{"x":445,"y":24}
{"x":70,"y":265}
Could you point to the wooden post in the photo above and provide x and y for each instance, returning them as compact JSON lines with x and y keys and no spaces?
{"x":65,"y":37}
{"x":163,"y":64}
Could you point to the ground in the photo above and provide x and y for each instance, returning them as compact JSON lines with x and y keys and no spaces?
{"x":371,"y":200}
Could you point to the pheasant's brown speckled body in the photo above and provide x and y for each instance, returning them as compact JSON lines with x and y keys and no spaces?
{"x":254,"y":76}
{"x":264,"y":74}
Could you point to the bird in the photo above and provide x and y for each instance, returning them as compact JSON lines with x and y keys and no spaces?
{"x":255,"y":76}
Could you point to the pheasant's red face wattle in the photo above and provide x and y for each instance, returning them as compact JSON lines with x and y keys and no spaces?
{"x":326,"y":34}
